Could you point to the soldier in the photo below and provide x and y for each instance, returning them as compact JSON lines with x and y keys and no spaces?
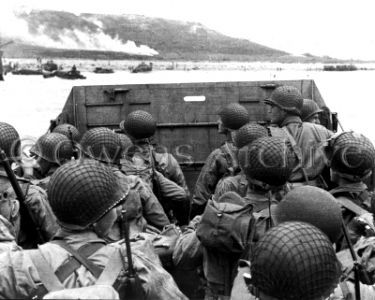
{"x":242,"y":140}
{"x":310,"y":111}
{"x":293,"y":260}
{"x":51,"y":150}
{"x":222,"y":161}
{"x":9,"y":221}
{"x":35,"y":197}
{"x":150,"y":162}
{"x":84,"y":197}
{"x":267,"y":165}
{"x":143,"y":208}
{"x":307,"y":139}
{"x":352,"y":162}
{"x":69,"y":131}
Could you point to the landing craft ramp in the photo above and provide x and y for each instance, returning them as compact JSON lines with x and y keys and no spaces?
{"x":186,"y":113}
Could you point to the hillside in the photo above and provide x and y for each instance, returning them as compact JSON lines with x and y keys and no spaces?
{"x":66,"y":35}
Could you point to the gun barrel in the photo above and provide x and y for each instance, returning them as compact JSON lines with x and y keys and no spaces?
{"x":125,"y":231}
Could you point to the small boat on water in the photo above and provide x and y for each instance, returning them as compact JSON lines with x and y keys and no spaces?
{"x":50,"y":66}
{"x":27,"y":72}
{"x":142,"y":67}
{"x":340,"y":68}
{"x":72,"y":74}
{"x":100,"y":70}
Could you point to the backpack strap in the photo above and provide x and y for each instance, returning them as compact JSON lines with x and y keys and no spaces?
{"x":345,"y":290}
{"x":297,"y":152}
{"x":230,"y":157}
{"x":49,"y":280}
{"x":250,"y":238}
{"x":111,"y":270}
{"x":66,"y":269}
{"x":350,"y":205}
{"x":79,"y":258}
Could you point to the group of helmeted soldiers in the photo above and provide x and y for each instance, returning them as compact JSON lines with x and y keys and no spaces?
{"x":278,"y":212}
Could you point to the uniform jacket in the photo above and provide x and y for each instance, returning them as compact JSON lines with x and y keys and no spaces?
{"x":19,"y":277}
{"x":43,"y":182}
{"x":310,"y":139}
{"x":7,"y":236}
{"x":142,"y":206}
{"x":220,"y":163}
{"x":146,"y":160}
{"x":165,"y":179}
{"x":357,"y":193}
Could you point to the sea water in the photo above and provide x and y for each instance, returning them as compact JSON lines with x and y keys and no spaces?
{"x":30,"y":102}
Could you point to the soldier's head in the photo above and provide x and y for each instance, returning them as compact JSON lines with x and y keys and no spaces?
{"x":284,"y":101}
{"x":269,"y":160}
{"x":69,"y":131}
{"x":139,"y":125}
{"x":293,"y":261}
{"x":249,"y":133}
{"x":232,"y":117}
{"x":311,"y":205}
{"x":102,"y":144}
{"x":310,"y":111}
{"x":52,"y":149}
{"x":352,"y":158}
{"x":10,"y":141}
{"x":83,"y":195}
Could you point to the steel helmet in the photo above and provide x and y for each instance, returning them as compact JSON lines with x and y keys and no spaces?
{"x":295,"y":261}
{"x":249,"y":133}
{"x":352,"y":154}
{"x":287,"y":98}
{"x":68,"y":130}
{"x":270,"y":160}
{"x":312,"y":205}
{"x":81,"y":192}
{"x":53,"y":147}
{"x":309,"y":108}
{"x":139,"y":124}
{"x":102,"y":144}
{"x":9,"y":140}
{"x":234,"y":116}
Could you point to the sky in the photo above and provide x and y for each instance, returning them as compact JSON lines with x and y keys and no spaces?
{"x":340,"y":29}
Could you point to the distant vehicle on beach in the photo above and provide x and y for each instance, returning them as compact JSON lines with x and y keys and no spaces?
{"x":100,"y":70}
{"x":142,"y":67}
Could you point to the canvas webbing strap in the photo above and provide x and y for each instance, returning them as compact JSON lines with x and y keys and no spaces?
{"x":111,"y":270}
{"x":72,"y":264}
{"x":95,"y":270}
{"x":350,"y":205}
{"x":46,"y":274}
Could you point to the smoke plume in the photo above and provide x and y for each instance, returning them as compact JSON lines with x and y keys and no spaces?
{"x":14,"y":27}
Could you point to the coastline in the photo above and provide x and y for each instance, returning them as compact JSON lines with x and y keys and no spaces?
{"x":88,"y":65}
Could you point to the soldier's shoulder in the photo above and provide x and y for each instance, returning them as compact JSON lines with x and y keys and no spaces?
{"x":318,"y":127}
